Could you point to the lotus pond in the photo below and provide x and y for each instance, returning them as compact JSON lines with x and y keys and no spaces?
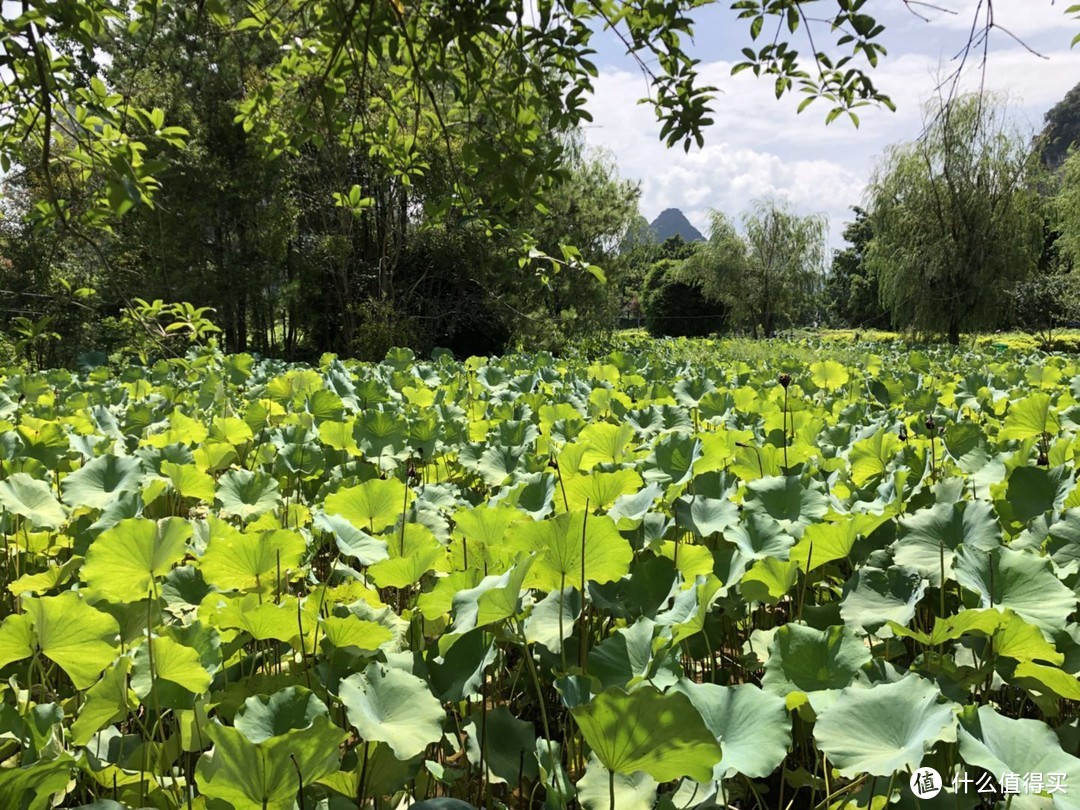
{"x":626,"y":581}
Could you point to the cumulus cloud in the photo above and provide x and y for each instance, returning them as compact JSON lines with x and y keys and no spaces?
{"x":759,"y":146}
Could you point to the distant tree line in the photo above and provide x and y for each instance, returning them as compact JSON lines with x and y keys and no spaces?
{"x":320,"y":176}
{"x":972,"y":227}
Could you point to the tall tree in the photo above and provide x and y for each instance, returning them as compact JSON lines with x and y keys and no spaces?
{"x":955,"y":219}
{"x":852,"y":290}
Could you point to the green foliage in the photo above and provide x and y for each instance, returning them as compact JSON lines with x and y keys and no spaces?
{"x":1061,"y":129}
{"x":676,"y":307}
{"x":650,"y":573}
{"x":955,"y":220}
{"x":1065,"y":207}
{"x":851,"y":289}
{"x":769,"y":276}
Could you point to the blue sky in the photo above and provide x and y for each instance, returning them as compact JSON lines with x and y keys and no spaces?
{"x":759,"y":146}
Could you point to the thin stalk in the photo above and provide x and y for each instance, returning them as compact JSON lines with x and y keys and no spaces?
{"x":584,"y":605}
{"x":806,"y":578}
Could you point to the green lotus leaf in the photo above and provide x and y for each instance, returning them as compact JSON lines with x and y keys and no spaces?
{"x":351,"y":541}
{"x":533,"y":494}
{"x":600,"y":490}
{"x":495,"y":598}
{"x":873,"y":597}
{"x":44,"y":581}
{"x":644,"y":730}
{"x":509,"y":746}
{"x":562,"y":542}
{"x":1004,"y":745}
{"x":324,"y":405}
{"x":829,"y":375}
{"x":604,"y":443}
{"x":552,"y":619}
{"x":32,"y":786}
{"x":1017,"y":580}
{"x":692,"y":608}
{"x":249,"y":561}
{"x":768,"y":580}
{"x":392,"y":706}
{"x":33,"y":500}
{"x":107,"y":701}
{"x":124,"y":562}
{"x":497,"y":464}
{"x":705,"y":516}
{"x":634,"y":791}
{"x":414,"y":552}
{"x":885,"y":729}
{"x":97,"y":483}
{"x":246,"y":494}
{"x":370,"y":506}
{"x":823,"y":543}
{"x":17,"y":638}
{"x":278,"y":621}
{"x":278,"y":744}
{"x":966,"y":443}
{"x":1033,"y":491}
{"x":1055,"y":680}
{"x":787,"y":500}
{"x":189,"y":481}
{"x":350,"y":632}
{"x":802,"y":659}
{"x":380,"y":433}
{"x":690,"y":390}
{"x":760,"y":537}
{"x":672,"y":459}
{"x":929,"y":538}
{"x":871,"y":457}
{"x":44,"y":441}
{"x":485,"y":526}
{"x":65,"y":629}
{"x":456,"y":668}
{"x":163,"y":659}
{"x":557,"y":786}
{"x":627,"y":657}
{"x":1030,"y":418}
{"x":293,"y":385}
{"x":753,"y":727}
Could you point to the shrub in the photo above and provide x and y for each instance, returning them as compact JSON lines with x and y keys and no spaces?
{"x":673,"y":307}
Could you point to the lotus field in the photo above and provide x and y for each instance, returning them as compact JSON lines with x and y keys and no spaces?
{"x":632,"y":581}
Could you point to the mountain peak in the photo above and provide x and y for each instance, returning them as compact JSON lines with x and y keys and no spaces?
{"x":672,"y":222}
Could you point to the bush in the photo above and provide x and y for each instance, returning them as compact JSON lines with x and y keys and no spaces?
{"x":673,"y":307}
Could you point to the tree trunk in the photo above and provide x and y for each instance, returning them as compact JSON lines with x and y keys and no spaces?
{"x":954,"y":332}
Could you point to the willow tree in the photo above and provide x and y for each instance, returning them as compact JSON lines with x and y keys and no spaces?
{"x":770,"y":274}
{"x":956,"y":219}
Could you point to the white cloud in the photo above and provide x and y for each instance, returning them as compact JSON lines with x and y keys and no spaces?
{"x":758,"y":146}
{"x":1023,"y":18}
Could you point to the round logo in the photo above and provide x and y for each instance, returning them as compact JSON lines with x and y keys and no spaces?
{"x":926,"y":783}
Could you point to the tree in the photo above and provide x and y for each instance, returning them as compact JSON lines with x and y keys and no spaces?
{"x":370,"y":142}
{"x":851,"y":290}
{"x":768,"y":276}
{"x":676,"y":306}
{"x":1061,"y":130}
{"x":481,"y":74}
{"x":955,"y":219}
{"x":1045,"y":302}
{"x":1066,"y":211}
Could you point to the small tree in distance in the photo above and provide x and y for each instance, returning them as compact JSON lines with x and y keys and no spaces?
{"x":955,"y":218}
{"x":771,"y":273}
